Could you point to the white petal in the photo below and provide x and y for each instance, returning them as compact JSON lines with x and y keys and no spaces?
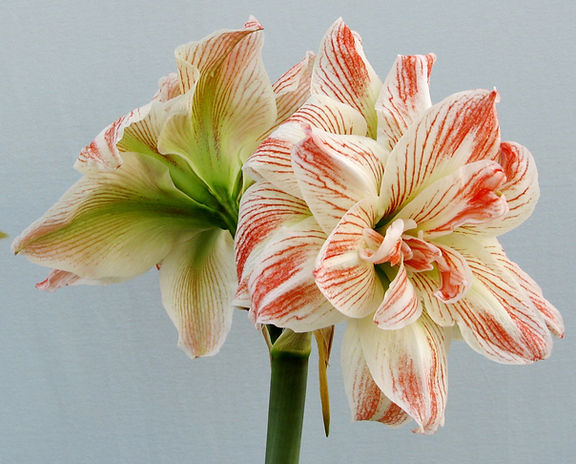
{"x":281,"y":286}
{"x":334,"y":172}
{"x":409,"y":366}
{"x":198,"y":281}
{"x":366,"y":400}
{"x":404,"y":96}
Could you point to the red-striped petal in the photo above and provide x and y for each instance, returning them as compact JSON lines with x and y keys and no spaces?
{"x":281,"y":285}
{"x":461,"y":129}
{"x":263,"y":210}
{"x":349,"y":282}
{"x":467,"y":196}
{"x":497,"y":317}
{"x":520,"y":189}
{"x":404,"y":97}
{"x":334,"y":172}
{"x":343,"y":73}
{"x":401,"y":305}
{"x":409,"y":366}
{"x":292,"y":89}
{"x":367,"y":401}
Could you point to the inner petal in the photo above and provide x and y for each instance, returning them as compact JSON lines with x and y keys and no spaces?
{"x":390,"y":246}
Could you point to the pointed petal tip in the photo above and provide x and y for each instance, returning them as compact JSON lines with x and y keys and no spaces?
{"x":253,"y":24}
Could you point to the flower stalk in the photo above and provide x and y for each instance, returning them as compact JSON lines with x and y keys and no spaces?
{"x":289,"y":364}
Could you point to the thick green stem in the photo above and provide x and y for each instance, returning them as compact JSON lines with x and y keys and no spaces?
{"x":289,"y":361}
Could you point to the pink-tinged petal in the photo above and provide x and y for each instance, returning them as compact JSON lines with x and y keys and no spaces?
{"x":404,"y":97}
{"x":401,"y":305}
{"x":455,"y":275}
{"x":58,"y":279}
{"x":426,"y":285}
{"x":342,"y":72}
{"x":231,"y":106}
{"x":263,"y":210}
{"x":409,"y":366}
{"x":198,"y":281}
{"x":196,"y":58}
{"x":551,"y":315}
{"x":334,"y":172}
{"x":102,"y":153}
{"x":281,"y":285}
{"x":113,"y":224}
{"x":461,"y":129}
{"x":367,"y":401}
{"x":168,"y":88}
{"x":467,"y":196}
{"x":292,"y":89}
{"x":497,"y":317}
{"x":272,"y":161}
{"x":348,"y":281}
{"x":520,"y":189}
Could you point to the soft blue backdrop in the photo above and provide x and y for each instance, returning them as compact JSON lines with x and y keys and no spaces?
{"x":93,"y":374}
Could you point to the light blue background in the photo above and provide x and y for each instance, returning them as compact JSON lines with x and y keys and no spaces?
{"x":93,"y":374}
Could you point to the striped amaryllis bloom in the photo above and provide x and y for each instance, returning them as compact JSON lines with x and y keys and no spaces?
{"x":161,"y":185}
{"x":372,"y":205}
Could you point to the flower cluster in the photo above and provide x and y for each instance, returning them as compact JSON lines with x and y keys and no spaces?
{"x":372,"y":205}
{"x":161,"y":185}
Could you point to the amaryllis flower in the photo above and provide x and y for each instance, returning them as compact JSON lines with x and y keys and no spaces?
{"x":372,"y":205}
{"x":161,"y":185}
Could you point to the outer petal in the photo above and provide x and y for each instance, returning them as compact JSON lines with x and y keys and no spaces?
{"x":520,"y":189}
{"x":102,"y":153}
{"x":366,"y":400}
{"x":232,"y":106}
{"x":282,"y":287}
{"x":350,"y":283}
{"x":263,"y":210}
{"x":113,"y":225}
{"x":197,"y":280}
{"x":272,"y":161}
{"x":343,"y":73}
{"x":334,"y":172}
{"x":497,"y":317}
{"x":292,"y":89}
{"x":461,"y":129}
{"x":409,"y":366}
{"x":404,"y":97}
{"x":401,"y":304}
{"x":551,"y":315}
{"x":467,"y":196}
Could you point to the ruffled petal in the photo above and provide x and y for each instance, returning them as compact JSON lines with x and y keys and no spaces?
{"x":367,"y":401}
{"x":292,"y":89}
{"x":197,"y":280}
{"x":497,"y":317}
{"x":281,"y":285}
{"x":409,"y":366}
{"x":461,"y":129}
{"x":427,"y":284}
{"x":272,"y":161}
{"x":231,"y":107}
{"x":263,"y":210}
{"x":102,"y":153}
{"x":113,"y":224}
{"x":349,"y":282}
{"x":334,"y":172}
{"x":551,"y":315}
{"x":520,"y":190}
{"x":404,"y":97}
{"x":342,"y":72}
{"x":401,"y":305}
{"x":58,"y":279}
{"x":467,"y":196}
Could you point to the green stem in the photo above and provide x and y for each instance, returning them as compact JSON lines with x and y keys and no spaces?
{"x":289,"y":361}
